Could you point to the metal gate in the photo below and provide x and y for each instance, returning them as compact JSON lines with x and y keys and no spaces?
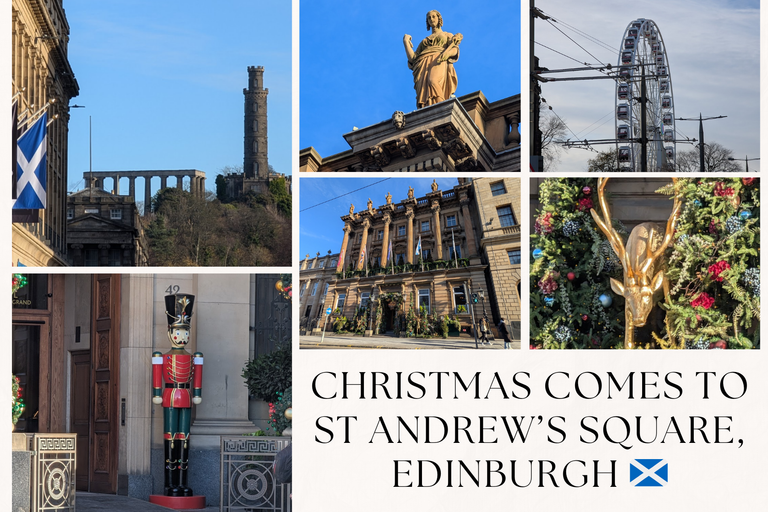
{"x":53,"y":472}
{"x":247,"y":481}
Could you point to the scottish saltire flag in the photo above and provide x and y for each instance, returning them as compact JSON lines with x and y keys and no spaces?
{"x":418,"y":247}
{"x":389,"y":252}
{"x":31,"y":166}
{"x":340,"y":264}
{"x":649,"y":472}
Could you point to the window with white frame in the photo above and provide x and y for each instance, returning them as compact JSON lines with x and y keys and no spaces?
{"x":325,"y":289}
{"x":424,"y":298}
{"x":514,"y":256}
{"x":424,"y":225}
{"x":116,"y":214}
{"x":340,"y":300}
{"x":400,"y":230}
{"x":365,"y":298}
{"x":450,"y":221}
{"x":303,"y":287}
{"x":314,"y":289}
{"x":460,"y":300}
{"x":321,"y":264}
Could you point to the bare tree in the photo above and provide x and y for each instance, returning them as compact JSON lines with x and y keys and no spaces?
{"x":716,"y":159}
{"x":605,"y":161}
{"x":552,"y":129}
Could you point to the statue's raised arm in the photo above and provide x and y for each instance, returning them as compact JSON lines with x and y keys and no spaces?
{"x":434,"y":77}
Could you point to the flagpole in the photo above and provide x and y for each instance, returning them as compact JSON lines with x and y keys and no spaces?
{"x":455,"y":258}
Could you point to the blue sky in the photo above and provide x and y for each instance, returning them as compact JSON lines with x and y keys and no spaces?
{"x":354,"y":71}
{"x":164,"y":83}
{"x":321,"y":227}
{"x":713,"y":47}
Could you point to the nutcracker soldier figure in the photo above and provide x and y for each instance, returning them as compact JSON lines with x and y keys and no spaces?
{"x":177,"y":379}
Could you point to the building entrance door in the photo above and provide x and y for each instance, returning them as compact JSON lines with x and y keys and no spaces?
{"x":26,"y":365}
{"x":80,"y":414}
{"x":105,"y":368}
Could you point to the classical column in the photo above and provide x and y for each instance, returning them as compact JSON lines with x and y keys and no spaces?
{"x":180,"y":182}
{"x":385,"y":243}
{"x":344,"y":242}
{"x":116,"y":184}
{"x":147,"y":195}
{"x":202,"y":187}
{"x":409,"y":231}
{"x":132,"y":187}
{"x":468,"y":228}
{"x":362,"y":261}
{"x":438,"y":234}
{"x":163,"y":182}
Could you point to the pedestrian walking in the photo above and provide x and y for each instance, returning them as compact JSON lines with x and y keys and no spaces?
{"x":484,"y":331}
{"x":504,"y":333}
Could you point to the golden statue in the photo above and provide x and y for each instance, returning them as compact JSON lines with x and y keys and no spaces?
{"x":434,"y":185}
{"x":432,"y":63}
{"x":351,"y":209}
{"x":642,"y":259}
{"x":389,"y":198}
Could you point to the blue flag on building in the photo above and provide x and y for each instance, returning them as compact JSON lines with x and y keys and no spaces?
{"x":31,"y":165}
{"x":418,"y":247}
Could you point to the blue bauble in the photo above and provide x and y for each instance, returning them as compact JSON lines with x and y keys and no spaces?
{"x":745,"y":214}
{"x":549,"y":301}
{"x":537,"y":253}
{"x":697,"y":202}
{"x":606,"y":300}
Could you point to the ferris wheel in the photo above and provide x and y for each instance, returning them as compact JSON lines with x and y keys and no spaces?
{"x":644,"y":68}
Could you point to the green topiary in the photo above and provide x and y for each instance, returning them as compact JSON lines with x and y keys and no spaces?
{"x":269,"y":374}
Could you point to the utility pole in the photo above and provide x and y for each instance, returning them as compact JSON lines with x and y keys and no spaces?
{"x":701,"y":135}
{"x":643,"y":123}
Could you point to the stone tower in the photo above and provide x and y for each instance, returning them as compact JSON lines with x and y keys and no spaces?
{"x":255,"y":160}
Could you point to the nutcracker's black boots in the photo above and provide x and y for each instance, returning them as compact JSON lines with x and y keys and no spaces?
{"x":171,"y":467}
{"x":183,"y":466}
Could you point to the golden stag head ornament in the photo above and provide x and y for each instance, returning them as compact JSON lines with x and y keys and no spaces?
{"x":642,"y":259}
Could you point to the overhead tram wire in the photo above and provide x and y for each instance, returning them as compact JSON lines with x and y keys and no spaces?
{"x":593,"y":39}
{"x":610,"y":113}
{"x":345,"y":194}
{"x":577,"y":44}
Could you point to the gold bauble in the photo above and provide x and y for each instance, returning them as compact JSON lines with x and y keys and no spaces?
{"x":289,"y":414}
{"x":279,"y":286}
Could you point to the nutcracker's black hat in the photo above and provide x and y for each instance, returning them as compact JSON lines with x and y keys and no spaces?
{"x":178,"y":309}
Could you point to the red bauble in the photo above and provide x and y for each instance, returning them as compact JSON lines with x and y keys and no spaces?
{"x":571,"y":276}
{"x":584,"y":317}
{"x":587,"y":190}
{"x":718,"y":344}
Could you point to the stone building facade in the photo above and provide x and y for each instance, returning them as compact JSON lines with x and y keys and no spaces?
{"x":82,"y":345}
{"x":105,"y":229}
{"x":498,"y":203}
{"x":452,"y":265}
{"x":465,"y":134}
{"x":317,"y":275}
{"x":42,"y":76}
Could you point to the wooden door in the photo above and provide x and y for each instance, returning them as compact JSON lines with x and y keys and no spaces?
{"x":25,"y":365}
{"x":105,"y":367}
{"x":80,"y":414}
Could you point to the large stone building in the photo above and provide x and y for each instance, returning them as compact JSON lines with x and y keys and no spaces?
{"x":105,"y":229}
{"x":465,"y":134}
{"x":82,"y":347}
{"x":460,"y":255}
{"x":256,"y":174}
{"x":42,"y":78}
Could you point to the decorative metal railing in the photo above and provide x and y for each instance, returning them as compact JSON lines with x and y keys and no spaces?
{"x":53,"y":472}
{"x":406,"y":268}
{"x":247,"y":480}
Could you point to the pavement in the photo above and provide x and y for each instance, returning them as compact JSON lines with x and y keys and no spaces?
{"x":335,"y":341}
{"x":92,"y":502}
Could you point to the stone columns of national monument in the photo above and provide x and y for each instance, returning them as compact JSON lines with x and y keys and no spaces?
{"x":196,"y":182}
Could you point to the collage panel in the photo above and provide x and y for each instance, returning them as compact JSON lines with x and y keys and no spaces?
{"x":148,"y":383}
{"x":651,"y":88}
{"x":435,"y":265}
{"x":645,"y":263}
{"x":444,"y":97}
{"x":144,"y":141}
